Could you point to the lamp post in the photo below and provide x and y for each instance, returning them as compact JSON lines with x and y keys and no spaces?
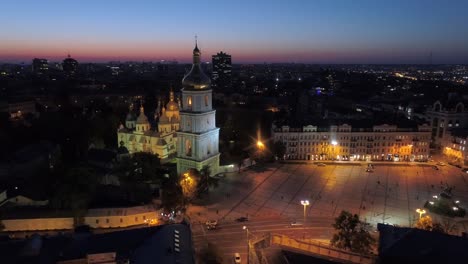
{"x":421,"y":212}
{"x":334,"y":143}
{"x":248,"y":246}
{"x":305,"y":203}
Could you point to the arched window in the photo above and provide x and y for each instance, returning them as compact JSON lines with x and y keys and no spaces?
{"x":188,"y":147}
{"x":189,"y":101}
{"x":206,"y":100}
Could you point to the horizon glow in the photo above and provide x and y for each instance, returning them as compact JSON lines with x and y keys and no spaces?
{"x":298,"y":31}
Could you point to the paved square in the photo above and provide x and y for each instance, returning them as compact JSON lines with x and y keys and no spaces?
{"x":389,"y":194}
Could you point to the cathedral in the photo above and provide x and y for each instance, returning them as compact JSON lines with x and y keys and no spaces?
{"x":186,"y":128}
{"x":137,"y":135}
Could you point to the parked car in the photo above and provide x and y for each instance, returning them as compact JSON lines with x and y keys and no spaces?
{"x":211,"y":222}
{"x":242,"y":219}
{"x":465,"y":170}
{"x":321,"y":164}
{"x":294,"y":223}
{"x":440,"y":163}
{"x":369,"y":170}
{"x":237,"y":258}
{"x":436,"y":168}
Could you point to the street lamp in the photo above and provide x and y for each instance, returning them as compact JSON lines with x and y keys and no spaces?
{"x":334,"y":143}
{"x":421,"y":212}
{"x":248,"y":246}
{"x":305,"y":203}
{"x":260,"y":144}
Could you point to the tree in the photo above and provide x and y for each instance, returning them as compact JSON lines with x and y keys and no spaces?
{"x":172,"y":196}
{"x":189,"y":182}
{"x":135,"y":172}
{"x":279,"y":148}
{"x":424,"y":223}
{"x":352,"y":234}
{"x":210,"y":254}
{"x":75,"y":191}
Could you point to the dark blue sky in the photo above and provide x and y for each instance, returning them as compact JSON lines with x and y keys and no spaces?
{"x":347,"y":31}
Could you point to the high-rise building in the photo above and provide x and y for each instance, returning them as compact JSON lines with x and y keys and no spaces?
{"x":198,"y":136}
{"x":40,"y":66}
{"x":222,"y":71}
{"x":69,"y":66}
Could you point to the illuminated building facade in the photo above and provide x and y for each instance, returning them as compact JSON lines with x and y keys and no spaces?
{"x":446,"y":116}
{"x":343,"y":142}
{"x":454,"y":146}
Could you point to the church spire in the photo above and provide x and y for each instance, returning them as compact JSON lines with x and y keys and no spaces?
{"x":196,"y":52}
{"x":171,"y":95}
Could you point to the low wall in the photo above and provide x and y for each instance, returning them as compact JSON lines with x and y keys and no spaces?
{"x":95,"y":218}
{"x":38,"y":224}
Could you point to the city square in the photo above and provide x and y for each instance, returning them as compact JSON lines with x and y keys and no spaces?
{"x":270,"y":197}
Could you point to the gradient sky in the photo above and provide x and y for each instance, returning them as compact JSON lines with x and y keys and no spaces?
{"x":310,"y":31}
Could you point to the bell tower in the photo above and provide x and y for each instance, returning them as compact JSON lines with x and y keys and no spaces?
{"x":198,"y":136}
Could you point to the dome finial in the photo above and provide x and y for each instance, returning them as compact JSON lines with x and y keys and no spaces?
{"x":196,"y":41}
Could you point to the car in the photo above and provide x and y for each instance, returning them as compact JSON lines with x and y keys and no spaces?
{"x":242,"y":219}
{"x":211,"y":227}
{"x":321,"y":164}
{"x":369,"y":170}
{"x":294,"y":223}
{"x":465,"y":170}
{"x":211,"y":222}
{"x":440,"y":163}
{"x":237,"y":258}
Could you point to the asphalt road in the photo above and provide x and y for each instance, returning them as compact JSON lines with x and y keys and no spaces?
{"x":230,"y":237}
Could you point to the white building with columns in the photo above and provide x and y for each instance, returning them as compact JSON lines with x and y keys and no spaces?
{"x":198,"y":136}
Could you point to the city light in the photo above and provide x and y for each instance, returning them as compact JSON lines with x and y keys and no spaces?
{"x":305,"y":203}
{"x":421,"y":212}
{"x":260,"y":144}
{"x":334,"y":143}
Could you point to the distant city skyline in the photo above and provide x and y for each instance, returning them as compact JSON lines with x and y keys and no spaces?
{"x":328,"y":32}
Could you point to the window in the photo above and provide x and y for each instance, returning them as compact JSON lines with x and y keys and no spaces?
{"x":107,"y":220}
{"x":136,"y":219}
{"x":206,"y":100}
{"x":189,"y":101}
{"x":97,"y":221}
{"x":188,"y":148}
{"x":121,"y":220}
